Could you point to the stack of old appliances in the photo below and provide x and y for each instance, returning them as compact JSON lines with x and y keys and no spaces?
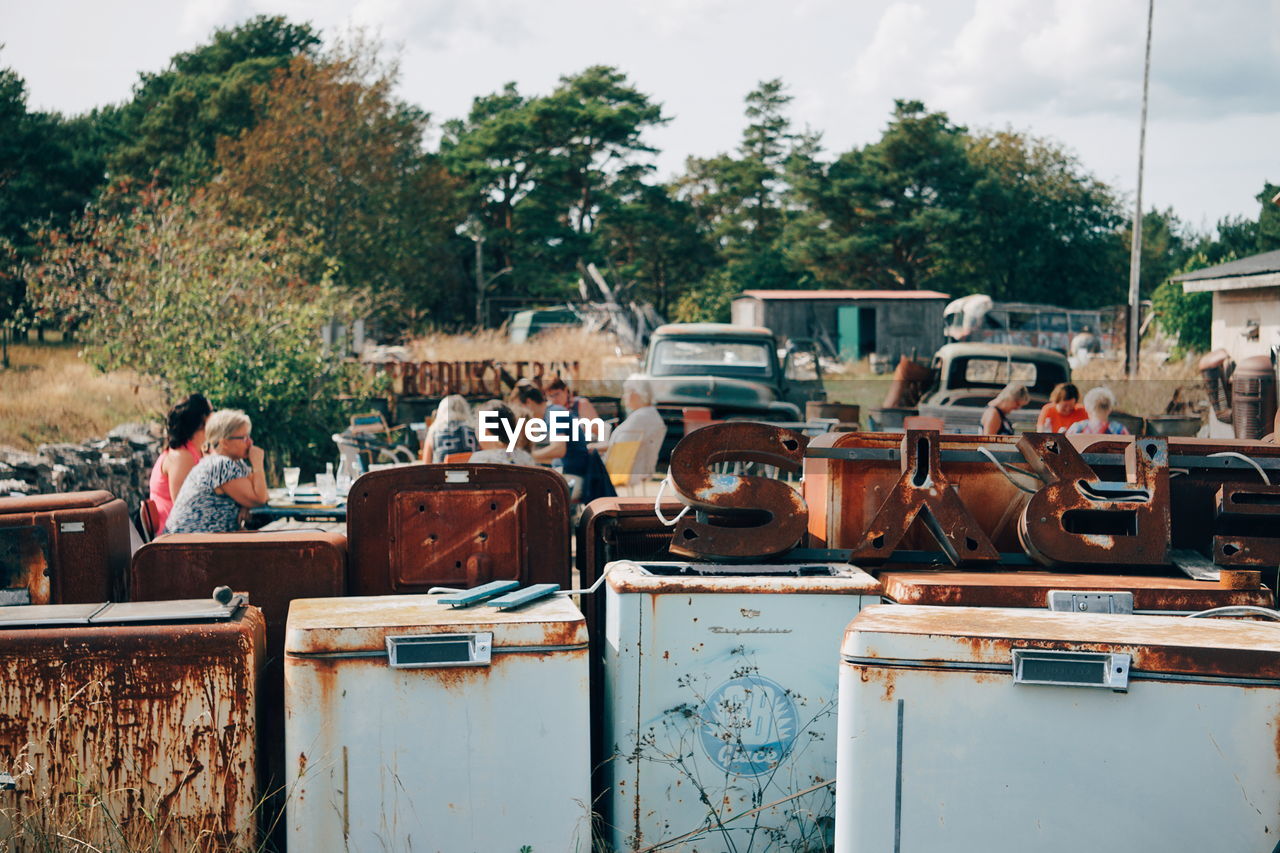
{"x":1037,"y":683}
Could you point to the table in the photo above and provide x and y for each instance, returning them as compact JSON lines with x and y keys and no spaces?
{"x":280,"y":506}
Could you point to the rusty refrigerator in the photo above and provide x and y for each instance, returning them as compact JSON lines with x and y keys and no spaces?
{"x":129,"y":726}
{"x":720,"y":698}
{"x":412,"y":725}
{"x":1014,"y":730}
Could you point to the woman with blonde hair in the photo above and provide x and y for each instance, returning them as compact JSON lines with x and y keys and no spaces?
{"x":1099,"y":403}
{"x":229,"y":476}
{"x":995,"y":419}
{"x":451,"y":430}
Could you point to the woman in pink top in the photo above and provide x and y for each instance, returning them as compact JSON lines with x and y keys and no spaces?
{"x":184,"y":435}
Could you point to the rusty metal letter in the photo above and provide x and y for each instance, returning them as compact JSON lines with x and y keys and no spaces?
{"x":1248,"y":525}
{"x":1077,"y":519}
{"x":924,"y":491}
{"x":765,"y":517}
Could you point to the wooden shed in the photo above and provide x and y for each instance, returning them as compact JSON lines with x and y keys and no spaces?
{"x":850,"y":323}
{"x":1246,"y":303}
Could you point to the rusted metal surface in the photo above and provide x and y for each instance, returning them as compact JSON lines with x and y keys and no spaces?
{"x":1170,"y":644}
{"x":487,"y":378}
{"x":85,"y":542}
{"x":1030,"y":589}
{"x":845,"y":495}
{"x":336,"y":625}
{"x":1248,"y":525}
{"x":1078,"y":519}
{"x":135,"y":737}
{"x":419,"y":526}
{"x":922,"y":491}
{"x":817,"y":578}
{"x":754,"y":516}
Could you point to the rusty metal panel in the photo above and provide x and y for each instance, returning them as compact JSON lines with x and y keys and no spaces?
{"x":853,"y":491}
{"x":490,"y":522}
{"x":754,"y":517}
{"x":134,"y":737}
{"x":86,"y":535}
{"x":923,"y":491}
{"x":1078,"y":519}
{"x":1030,"y":590}
{"x":1248,"y":526}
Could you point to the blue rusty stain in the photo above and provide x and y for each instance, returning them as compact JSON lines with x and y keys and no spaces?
{"x":721,"y":484}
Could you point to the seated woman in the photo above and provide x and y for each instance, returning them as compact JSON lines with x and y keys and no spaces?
{"x":229,"y":476}
{"x":184,"y":434}
{"x":1062,"y":410}
{"x":559,"y":394}
{"x":643,"y":425}
{"x":1099,"y":403}
{"x":450,"y":431}
{"x":495,"y":452}
{"x":995,"y":420}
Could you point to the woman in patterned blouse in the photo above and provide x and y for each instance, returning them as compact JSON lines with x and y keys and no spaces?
{"x":229,"y":476}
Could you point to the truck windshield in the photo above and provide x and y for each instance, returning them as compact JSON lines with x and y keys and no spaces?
{"x":677,"y":357}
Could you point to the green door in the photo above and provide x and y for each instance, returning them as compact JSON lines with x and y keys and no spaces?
{"x":847,"y":327}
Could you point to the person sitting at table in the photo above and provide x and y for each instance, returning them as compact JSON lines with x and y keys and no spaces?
{"x":1099,"y":403}
{"x":1062,"y":410}
{"x":643,"y":424}
{"x":494,"y":451}
{"x":229,"y":476}
{"x":559,"y":394}
{"x":184,"y":434}
{"x":450,"y":430}
{"x":995,"y":418}
{"x":576,"y":458}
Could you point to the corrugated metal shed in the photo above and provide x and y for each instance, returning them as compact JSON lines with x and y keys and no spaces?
{"x":851,"y":323}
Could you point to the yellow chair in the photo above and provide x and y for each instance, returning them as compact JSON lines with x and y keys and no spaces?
{"x":620,"y":462}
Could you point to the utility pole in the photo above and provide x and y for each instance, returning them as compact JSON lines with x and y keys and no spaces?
{"x":479,"y":241}
{"x":1135,"y":251}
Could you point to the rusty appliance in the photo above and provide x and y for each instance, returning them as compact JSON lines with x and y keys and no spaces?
{"x":1013,"y":730}
{"x":437,"y":722}
{"x":130,"y":725}
{"x":1253,"y":397}
{"x":1081,"y":593}
{"x":416,"y":527}
{"x":273,"y":568}
{"x":720,"y":698}
{"x":70,"y":548}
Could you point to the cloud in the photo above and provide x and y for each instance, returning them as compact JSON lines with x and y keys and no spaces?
{"x":1076,"y":57}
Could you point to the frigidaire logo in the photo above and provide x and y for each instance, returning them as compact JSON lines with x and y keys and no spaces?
{"x":558,"y":426}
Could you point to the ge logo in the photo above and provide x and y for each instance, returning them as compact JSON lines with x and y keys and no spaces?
{"x":749,"y":725}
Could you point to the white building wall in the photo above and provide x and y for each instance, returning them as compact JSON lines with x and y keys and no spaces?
{"x":1233,"y":311}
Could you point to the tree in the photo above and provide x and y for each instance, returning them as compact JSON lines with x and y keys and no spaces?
{"x":336,"y":156}
{"x":1268,"y":239}
{"x":170,"y":130}
{"x":884,"y":215}
{"x":540,"y":171}
{"x":174,"y":291}
{"x":1186,"y":316}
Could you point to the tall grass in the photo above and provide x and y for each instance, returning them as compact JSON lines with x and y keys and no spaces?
{"x":50,"y":394}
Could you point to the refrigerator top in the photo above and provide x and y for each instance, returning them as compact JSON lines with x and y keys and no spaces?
{"x":626,"y":576}
{"x":320,"y":626}
{"x":1031,"y":589}
{"x":122,"y":613}
{"x":1227,"y":648}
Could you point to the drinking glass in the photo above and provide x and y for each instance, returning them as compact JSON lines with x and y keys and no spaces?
{"x":291,"y":476}
{"x":328,"y":488}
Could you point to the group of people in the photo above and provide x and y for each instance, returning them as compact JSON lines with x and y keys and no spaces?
{"x":210,"y":471}
{"x":1063,"y":413}
{"x":455,"y":429}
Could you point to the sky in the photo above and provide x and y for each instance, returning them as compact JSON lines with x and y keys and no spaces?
{"x":1067,"y":70}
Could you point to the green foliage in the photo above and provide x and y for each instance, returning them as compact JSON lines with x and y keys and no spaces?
{"x":1186,"y":316}
{"x":1268,"y":234}
{"x":337,"y":157}
{"x":170,"y":130}
{"x":173,"y":290}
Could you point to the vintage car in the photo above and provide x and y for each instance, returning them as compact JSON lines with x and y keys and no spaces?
{"x":966,"y":377}
{"x":734,"y":371}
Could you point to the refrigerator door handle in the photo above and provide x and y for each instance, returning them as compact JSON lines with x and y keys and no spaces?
{"x":1069,"y":668}
{"x":419,"y":651}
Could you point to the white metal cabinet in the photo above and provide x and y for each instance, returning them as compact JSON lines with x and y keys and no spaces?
{"x":943,"y":747}
{"x":436,"y":753}
{"x":720,"y":688}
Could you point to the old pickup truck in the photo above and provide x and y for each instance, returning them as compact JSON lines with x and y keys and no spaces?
{"x":966,"y":377}
{"x":735,"y":371}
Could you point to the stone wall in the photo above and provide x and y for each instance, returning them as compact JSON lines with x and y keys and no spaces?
{"x":121,"y":464}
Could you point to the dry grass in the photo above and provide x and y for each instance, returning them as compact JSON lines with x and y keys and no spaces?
{"x":1150,"y":393}
{"x":50,"y":394}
